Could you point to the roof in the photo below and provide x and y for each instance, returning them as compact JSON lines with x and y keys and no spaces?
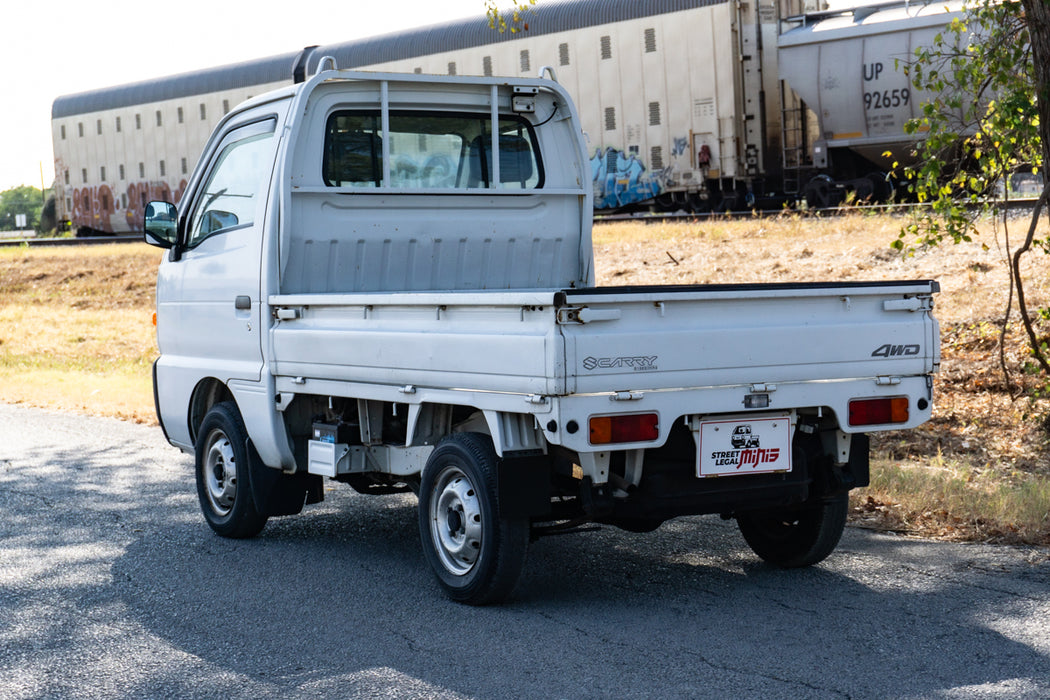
{"x":870,"y":20}
{"x":550,"y":16}
{"x":246,"y":74}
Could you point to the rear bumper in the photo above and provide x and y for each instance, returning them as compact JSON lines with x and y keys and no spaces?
{"x":567,"y":423}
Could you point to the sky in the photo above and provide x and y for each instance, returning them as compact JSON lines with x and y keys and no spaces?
{"x":66,"y":46}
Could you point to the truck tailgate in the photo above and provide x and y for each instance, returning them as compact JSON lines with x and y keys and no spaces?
{"x":679,"y":337}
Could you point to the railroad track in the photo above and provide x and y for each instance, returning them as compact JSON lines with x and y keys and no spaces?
{"x":54,"y":242}
{"x":1013,"y":205}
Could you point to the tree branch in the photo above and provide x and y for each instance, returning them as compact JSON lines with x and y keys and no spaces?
{"x":1022,"y":307}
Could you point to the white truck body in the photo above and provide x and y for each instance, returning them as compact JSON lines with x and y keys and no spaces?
{"x":367,"y":293}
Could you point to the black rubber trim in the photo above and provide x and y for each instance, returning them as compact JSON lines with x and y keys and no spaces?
{"x":156,"y":403}
{"x":299,"y":69}
{"x":935,"y":287}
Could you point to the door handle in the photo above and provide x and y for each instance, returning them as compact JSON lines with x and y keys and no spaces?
{"x":243,"y":303}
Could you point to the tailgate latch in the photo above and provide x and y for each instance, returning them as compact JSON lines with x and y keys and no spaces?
{"x":288,"y":313}
{"x":585,"y":314}
{"x":908,"y":304}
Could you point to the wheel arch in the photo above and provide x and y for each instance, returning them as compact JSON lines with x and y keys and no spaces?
{"x":208,"y":392}
{"x":515,"y":433}
{"x":511,"y":433}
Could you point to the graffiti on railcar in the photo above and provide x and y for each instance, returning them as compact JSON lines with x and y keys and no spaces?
{"x":621,"y":178}
{"x":95,"y":207}
{"x":681,"y":145}
{"x":141,"y":193}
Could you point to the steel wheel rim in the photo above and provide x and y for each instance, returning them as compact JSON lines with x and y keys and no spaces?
{"x":220,"y":473}
{"x":455,"y":521}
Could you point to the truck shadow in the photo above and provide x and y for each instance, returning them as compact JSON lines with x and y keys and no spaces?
{"x":320,"y":601}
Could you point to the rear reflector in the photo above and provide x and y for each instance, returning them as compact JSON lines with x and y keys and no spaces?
{"x":878,"y":411}
{"x":632,"y":427}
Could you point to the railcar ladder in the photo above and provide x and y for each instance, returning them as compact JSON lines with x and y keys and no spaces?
{"x":793,"y":139}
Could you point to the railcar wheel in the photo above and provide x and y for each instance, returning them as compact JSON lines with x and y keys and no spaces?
{"x":476,"y":553}
{"x":819,"y":193}
{"x":222,"y":474}
{"x":797,"y":538}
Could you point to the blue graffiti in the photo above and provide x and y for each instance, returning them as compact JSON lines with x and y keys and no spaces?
{"x":680,"y":144}
{"x":620,"y":179}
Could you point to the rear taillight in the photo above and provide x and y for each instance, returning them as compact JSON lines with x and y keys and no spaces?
{"x":630,"y":427}
{"x":878,"y":411}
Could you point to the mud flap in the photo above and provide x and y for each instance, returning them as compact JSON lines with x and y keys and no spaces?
{"x":524,"y":487}
{"x":276,"y":493}
{"x":831,"y":480}
{"x":857,"y":472}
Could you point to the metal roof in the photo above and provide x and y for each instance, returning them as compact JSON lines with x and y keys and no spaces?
{"x":255,"y":72}
{"x":550,"y":16}
{"x":887,"y":18}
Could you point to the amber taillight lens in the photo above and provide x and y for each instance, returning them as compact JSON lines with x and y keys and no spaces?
{"x":878,"y":411}
{"x":629,"y":427}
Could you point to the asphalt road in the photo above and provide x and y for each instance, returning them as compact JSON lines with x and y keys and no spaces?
{"x":112,"y":586}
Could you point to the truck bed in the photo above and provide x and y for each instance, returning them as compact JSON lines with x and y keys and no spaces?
{"x":581,"y":341}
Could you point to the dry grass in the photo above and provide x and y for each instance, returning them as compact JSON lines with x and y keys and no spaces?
{"x":75,"y":333}
{"x":76,"y":328}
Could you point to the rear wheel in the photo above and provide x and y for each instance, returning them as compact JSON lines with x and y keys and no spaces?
{"x":795,"y":538}
{"x":476,"y":553}
{"x":222,"y":474}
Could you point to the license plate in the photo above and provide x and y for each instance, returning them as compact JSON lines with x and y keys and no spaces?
{"x":744,"y":445}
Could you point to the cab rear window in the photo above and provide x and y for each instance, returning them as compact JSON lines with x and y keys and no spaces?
{"x":429,"y":150}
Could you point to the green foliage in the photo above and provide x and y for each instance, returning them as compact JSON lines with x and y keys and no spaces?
{"x":511,"y":20}
{"x":981,"y":123}
{"x":20,"y":200}
{"x":982,"y":126}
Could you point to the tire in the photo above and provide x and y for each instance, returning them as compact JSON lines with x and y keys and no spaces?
{"x":222,"y":468}
{"x":476,"y":553}
{"x":792,"y":539}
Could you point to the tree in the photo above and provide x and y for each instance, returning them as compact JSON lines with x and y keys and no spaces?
{"x":988,"y":120}
{"x":513,"y":19}
{"x":20,"y":200}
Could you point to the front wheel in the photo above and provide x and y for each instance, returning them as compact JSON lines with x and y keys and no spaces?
{"x":796,"y":538}
{"x":476,"y":553}
{"x":222,"y":474}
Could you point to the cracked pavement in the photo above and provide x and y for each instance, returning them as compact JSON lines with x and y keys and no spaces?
{"x":112,"y":586}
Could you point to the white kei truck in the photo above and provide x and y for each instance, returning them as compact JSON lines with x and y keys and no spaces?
{"x":387,"y":280}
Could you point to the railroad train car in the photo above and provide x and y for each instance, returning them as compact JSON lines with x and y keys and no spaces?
{"x":692,"y":104}
{"x":845,"y":69}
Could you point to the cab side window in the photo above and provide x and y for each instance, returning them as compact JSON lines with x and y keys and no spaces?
{"x":237,"y":180}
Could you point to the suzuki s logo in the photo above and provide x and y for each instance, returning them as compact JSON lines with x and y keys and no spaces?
{"x":896,"y":350}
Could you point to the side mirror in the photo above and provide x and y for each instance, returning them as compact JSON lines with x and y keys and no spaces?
{"x":160,"y":224}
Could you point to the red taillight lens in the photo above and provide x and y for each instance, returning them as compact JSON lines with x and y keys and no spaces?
{"x":631,"y":427}
{"x":878,"y":411}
